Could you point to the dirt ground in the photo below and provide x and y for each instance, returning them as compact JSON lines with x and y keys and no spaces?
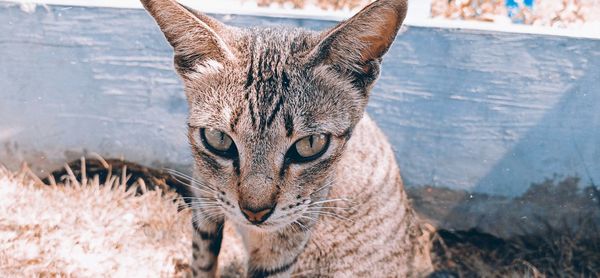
{"x":556,"y":252}
{"x":552,"y":230}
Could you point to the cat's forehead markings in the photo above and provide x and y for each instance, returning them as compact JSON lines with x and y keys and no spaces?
{"x":288,"y":121}
{"x":266,"y":84}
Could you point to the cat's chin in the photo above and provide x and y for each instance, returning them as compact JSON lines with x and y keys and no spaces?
{"x":263,"y":227}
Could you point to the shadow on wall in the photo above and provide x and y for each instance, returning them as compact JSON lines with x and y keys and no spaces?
{"x":490,"y":112}
{"x":566,"y":138}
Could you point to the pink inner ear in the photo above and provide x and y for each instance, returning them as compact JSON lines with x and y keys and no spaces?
{"x":378,"y":44}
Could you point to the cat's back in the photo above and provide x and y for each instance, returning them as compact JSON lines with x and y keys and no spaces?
{"x":371,"y":231}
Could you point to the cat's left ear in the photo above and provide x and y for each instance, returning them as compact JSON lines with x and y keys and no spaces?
{"x":199,"y":41}
{"x":357,"y":45}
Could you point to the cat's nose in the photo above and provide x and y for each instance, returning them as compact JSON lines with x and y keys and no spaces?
{"x":256,"y":216}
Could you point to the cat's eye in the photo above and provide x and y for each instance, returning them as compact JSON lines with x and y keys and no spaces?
{"x":309,"y":148}
{"x":218,"y":142}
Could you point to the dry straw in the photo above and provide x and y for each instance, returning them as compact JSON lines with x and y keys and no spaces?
{"x":89,"y":228}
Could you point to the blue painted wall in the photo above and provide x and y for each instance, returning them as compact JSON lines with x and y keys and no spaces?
{"x":484,"y":111}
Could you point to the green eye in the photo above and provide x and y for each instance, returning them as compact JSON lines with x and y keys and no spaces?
{"x":218,"y":142}
{"x":309,"y":148}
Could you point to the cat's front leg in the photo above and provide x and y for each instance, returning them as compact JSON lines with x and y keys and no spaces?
{"x":274,"y":254}
{"x":206,"y":244}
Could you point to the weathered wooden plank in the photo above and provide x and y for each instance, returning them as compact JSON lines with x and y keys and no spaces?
{"x":485,"y":111}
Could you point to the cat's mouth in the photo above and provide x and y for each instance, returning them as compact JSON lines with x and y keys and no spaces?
{"x":271,"y":223}
{"x":260,"y":227}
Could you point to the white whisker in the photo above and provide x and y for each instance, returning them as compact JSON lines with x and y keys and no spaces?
{"x":204,"y":202}
{"x":302,"y":226}
{"x":192,"y":186}
{"x":199,"y":205}
{"x":326,"y":213}
{"x":309,"y":217}
{"x":179,"y":175}
{"x":326,"y":185}
{"x":194,"y":198}
{"x":329,"y":201}
{"x":320,"y":207}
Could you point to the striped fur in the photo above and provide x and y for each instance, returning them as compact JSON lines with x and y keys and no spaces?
{"x":343,"y":214}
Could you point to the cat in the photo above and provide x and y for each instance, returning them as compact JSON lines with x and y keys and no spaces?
{"x":284,"y":151}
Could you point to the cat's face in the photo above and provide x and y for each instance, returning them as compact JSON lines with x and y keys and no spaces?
{"x":267,"y":130}
{"x":272,"y":109}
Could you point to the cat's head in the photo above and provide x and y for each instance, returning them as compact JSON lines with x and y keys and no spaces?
{"x":271,"y":109}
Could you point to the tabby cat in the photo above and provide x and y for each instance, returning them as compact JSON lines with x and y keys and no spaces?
{"x":284,"y":151}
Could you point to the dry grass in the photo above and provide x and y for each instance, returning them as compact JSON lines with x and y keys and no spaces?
{"x":556,"y":252}
{"x":565,"y":246}
{"x":543,"y":248}
{"x":152,"y":179}
{"x":87,"y":227}
{"x":552,"y":230}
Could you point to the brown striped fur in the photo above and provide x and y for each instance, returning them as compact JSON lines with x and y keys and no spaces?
{"x":343,"y":214}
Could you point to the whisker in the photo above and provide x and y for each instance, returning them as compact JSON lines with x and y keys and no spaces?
{"x":192,"y":198}
{"x":320,"y":207}
{"x":328,"y":184}
{"x":192,"y":186}
{"x":208,"y":215}
{"x":315,"y":220}
{"x":206,"y":212}
{"x":195,"y":207}
{"x":188,"y":201}
{"x":201,"y":206}
{"x":302,"y":226}
{"x":187,"y":177}
{"x":325,"y":213}
{"x":329,"y":200}
{"x":293,"y":227}
{"x":208,"y":201}
{"x":177,"y":175}
{"x":309,"y":217}
{"x":203,"y":203}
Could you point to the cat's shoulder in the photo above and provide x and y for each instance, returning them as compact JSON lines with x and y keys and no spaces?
{"x":367,"y":151}
{"x":367,"y":137}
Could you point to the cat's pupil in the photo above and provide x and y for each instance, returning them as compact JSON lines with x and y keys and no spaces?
{"x":310,"y":147}
{"x":216,"y":140}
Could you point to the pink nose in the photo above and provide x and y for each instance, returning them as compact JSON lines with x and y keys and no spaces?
{"x":256,"y":216}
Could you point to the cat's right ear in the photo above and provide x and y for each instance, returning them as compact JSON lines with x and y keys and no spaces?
{"x":194,"y":36}
{"x":357,"y":45}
